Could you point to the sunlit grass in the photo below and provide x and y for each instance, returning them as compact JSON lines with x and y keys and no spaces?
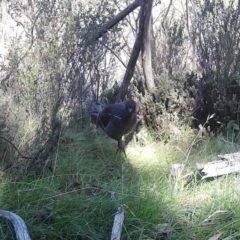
{"x":89,"y":181}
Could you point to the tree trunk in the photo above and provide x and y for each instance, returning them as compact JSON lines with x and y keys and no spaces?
{"x":142,"y":43}
{"x":132,"y":61}
{"x":146,"y":46}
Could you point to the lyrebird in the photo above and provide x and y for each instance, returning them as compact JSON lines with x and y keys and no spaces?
{"x":116,"y":120}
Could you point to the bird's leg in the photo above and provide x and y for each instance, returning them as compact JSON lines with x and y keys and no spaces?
{"x":121,"y":147}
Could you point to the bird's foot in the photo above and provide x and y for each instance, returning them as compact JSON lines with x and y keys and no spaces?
{"x":121,"y":147}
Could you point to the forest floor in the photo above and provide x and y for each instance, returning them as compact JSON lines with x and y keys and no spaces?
{"x":79,"y":199}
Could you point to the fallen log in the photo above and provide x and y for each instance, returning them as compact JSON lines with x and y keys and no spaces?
{"x":223,"y":164}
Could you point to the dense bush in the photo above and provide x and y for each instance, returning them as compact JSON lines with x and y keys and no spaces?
{"x":52,"y":68}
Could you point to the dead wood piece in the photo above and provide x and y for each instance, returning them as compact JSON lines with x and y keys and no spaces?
{"x":117,"y":224}
{"x":20,"y":228}
{"x":223,"y":164}
{"x":230,"y":156}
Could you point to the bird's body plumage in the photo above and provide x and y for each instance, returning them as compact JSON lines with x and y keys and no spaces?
{"x":117,"y":120}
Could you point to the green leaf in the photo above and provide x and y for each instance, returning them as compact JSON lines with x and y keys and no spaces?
{"x":233,"y":125}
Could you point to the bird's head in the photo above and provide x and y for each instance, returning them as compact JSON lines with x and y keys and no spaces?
{"x":130,"y":106}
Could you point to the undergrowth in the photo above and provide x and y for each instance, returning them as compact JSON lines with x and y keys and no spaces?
{"x":79,"y":199}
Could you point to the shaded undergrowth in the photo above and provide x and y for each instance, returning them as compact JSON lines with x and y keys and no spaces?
{"x":90,"y":181}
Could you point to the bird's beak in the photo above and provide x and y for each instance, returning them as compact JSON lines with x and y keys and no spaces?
{"x":130,"y":110}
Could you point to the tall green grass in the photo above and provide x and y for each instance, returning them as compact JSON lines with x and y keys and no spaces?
{"x":89,"y":181}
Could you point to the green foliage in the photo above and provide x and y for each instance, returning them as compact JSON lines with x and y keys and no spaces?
{"x":216,"y":37}
{"x":232,"y":125}
{"x":203,"y":39}
{"x":170,"y":39}
{"x":170,"y":111}
{"x":232,"y":129}
{"x":54,"y":65}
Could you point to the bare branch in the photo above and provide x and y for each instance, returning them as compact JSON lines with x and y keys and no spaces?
{"x":116,"y":19}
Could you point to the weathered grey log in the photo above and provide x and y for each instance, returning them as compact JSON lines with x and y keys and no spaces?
{"x":117,"y":224}
{"x":20,"y":228}
{"x":223,"y":164}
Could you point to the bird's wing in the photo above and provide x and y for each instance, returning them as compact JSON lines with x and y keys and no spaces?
{"x":113,"y":112}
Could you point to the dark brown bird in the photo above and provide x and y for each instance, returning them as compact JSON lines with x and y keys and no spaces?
{"x":116,"y":120}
